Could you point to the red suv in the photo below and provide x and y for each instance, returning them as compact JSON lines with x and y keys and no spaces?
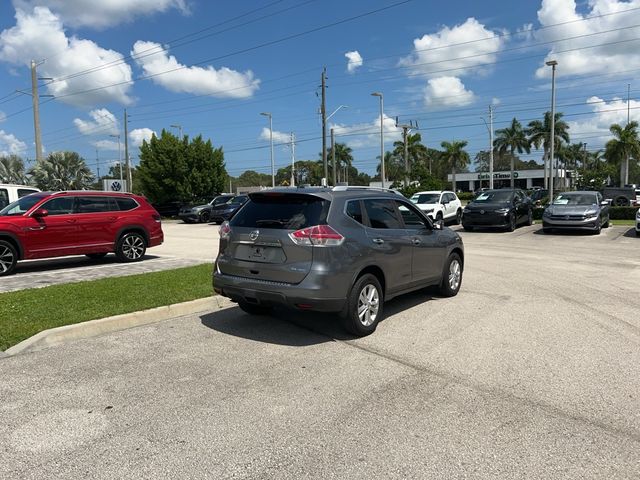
{"x":55,"y":224}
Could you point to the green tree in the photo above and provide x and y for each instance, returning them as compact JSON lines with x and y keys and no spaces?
{"x":12,"y":170}
{"x":180,"y":169}
{"x":417,"y":152}
{"x":344,"y":159}
{"x":511,"y":139}
{"x":393,"y":168}
{"x":622,"y":147}
{"x":251,"y":178}
{"x":62,"y":171}
{"x":455,"y":157}
{"x":539,"y":134}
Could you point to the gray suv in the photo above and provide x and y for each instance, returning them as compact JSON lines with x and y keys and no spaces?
{"x":343,"y":250}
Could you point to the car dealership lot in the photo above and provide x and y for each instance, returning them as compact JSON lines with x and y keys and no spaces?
{"x":532,"y":371}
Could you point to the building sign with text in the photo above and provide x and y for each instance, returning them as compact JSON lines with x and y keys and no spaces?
{"x":497,"y":175}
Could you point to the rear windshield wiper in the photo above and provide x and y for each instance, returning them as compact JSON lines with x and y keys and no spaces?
{"x":262,"y":223}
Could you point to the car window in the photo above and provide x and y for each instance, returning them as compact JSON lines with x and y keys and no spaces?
{"x":23,"y":192}
{"x":59,"y":205}
{"x":125,"y":204}
{"x":450,"y":197}
{"x":220,"y":200}
{"x":354,"y":210}
{"x":4,"y":197}
{"x":282,"y":211}
{"x":382,"y":213}
{"x":412,"y":219}
{"x":93,"y":205}
{"x":22,"y":205}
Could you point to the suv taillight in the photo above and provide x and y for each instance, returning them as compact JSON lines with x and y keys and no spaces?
{"x":225,"y":230}
{"x":318,"y":236}
{"x":156,"y":217}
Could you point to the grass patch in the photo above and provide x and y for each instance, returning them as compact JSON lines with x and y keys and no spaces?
{"x":629,"y":223}
{"x":27,"y":312}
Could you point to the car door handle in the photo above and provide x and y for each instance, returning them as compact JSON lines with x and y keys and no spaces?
{"x":378,"y":241}
{"x":36,"y":228}
{"x":416,"y":241}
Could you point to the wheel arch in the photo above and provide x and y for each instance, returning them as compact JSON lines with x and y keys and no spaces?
{"x":377,"y":272}
{"x":130,"y":229}
{"x":11,"y":238}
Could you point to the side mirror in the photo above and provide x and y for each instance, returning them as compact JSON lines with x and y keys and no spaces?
{"x":438,"y":225}
{"x":40,"y":212}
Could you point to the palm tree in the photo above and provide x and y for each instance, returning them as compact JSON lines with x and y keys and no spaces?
{"x":62,"y":171}
{"x":393,"y":167}
{"x":12,"y":170}
{"x":512,"y":138}
{"x":540,"y":134}
{"x":455,"y":157}
{"x":416,"y":151}
{"x":626,"y":144}
{"x":344,"y":158}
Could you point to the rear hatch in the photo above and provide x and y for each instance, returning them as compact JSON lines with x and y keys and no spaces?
{"x":258,"y":245}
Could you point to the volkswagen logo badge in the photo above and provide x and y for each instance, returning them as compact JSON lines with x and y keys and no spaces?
{"x":253,"y":235}
{"x":566,"y":217}
{"x":481,"y":212}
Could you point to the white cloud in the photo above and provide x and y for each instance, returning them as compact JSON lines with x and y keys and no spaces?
{"x":595,"y":129}
{"x":367,"y":134}
{"x":10,"y":145}
{"x":3,"y":116}
{"x":278,"y":137}
{"x":457,"y":48}
{"x":354,"y":61}
{"x":139,"y":134}
{"x":601,"y":59}
{"x":447,"y":92}
{"x":222,"y":82}
{"x":104,"y":123}
{"x":102,"y":13}
{"x":40,"y":34}
{"x":111,"y":145}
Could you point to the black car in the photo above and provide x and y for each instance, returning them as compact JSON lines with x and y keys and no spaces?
{"x":505,"y":208}
{"x":227,"y":210}
{"x":537,"y":195}
{"x":202,"y":213}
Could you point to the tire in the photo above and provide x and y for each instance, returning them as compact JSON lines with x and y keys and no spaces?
{"x":204,"y":217}
{"x":606,"y":224}
{"x":131,"y":247}
{"x":8,"y":258}
{"x":366,"y":295}
{"x":530,"y":218}
{"x":451,"y":276}
{"x":598,"y":228}
{"x":96,"y":256}
{"x":637,"y":233}
{"x":459,"y":217}
{"x":621,"y":201}
{"x":253,"y":309}
{"x":439,"y":217}
{"x":547,"y":230}
{"x":512,"y":222}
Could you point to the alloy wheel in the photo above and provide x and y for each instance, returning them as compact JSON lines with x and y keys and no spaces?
{"x":7,"y":259}
{"x":368,"y":304}
{"x":133,"y":247}
{"x":455,"y":274}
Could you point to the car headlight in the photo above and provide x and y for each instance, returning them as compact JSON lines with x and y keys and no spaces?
{"x":547,"y":213}
{"x":591,"y":213}
{"x":502,"y":211}
{"x":429,"y":210}
{"x":638,"y":215}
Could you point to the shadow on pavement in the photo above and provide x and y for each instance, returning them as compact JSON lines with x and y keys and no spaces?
{"x":80,"y":261}
{"x":297,"y":328}
{"x":631,"y":233}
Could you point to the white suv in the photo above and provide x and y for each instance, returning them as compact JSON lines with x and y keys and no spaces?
{"x":9,"y":193}
{"x":439,"y":205}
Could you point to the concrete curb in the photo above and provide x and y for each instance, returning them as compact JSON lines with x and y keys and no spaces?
{"x":93,"y":328}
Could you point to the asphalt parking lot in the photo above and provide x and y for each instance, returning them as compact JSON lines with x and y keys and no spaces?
{"x":532,"y":371}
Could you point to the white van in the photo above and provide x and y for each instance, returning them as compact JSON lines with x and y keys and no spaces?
{"x":10,"y":193}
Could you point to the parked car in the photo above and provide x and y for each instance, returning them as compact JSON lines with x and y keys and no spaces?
{"x":538,"y":194}
{"x":227,"y":210}
{"x":10,"y":193}
{"x":46,"y":224}
{"x":505,"y":208}
{"x":333,"y":250}
{"x":439,"y":205}
{"x":620,"y":196}
{"x":638,"y":223}
{"x":202,"y":213}
{"x":582,"y":210}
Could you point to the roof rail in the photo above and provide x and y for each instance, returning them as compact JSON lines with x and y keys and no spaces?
{"x":344,"y":188}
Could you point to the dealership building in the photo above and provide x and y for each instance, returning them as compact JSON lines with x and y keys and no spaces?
{"x":525,"y":179}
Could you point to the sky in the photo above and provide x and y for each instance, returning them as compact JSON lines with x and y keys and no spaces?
{"x":212,"y":67}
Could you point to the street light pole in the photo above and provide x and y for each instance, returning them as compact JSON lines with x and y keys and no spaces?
{"x":552,"y":134}
{"x":179,"y":127}
{"x":379,"y":94}
{"x":119,"y":160}
{"x":273,"y":172}
{"x":491,"y":147}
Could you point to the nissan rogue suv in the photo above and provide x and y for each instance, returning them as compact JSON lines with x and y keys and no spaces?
{"x":333,"y":250}
{"x":57,"y":224}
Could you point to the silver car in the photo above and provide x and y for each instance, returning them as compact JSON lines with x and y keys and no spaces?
{"x":331,"y":250}
{"x":584,"y":210}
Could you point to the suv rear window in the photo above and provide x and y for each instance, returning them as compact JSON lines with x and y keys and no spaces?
{"x":282,"y":211}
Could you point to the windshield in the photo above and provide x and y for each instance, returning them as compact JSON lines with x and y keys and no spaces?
{"x":576,"y":199}
{"x":494,"y":196}
{"x":219,"y":200}
{"x":426,"y":198}
{"x":238,"y":200}
{"x":21,"y":206}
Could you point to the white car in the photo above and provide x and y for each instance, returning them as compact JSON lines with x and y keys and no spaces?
{"x":439,"y":205}
{"x":9,"y":193}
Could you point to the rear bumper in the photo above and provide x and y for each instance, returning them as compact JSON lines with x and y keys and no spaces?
{"x":274,"y":294}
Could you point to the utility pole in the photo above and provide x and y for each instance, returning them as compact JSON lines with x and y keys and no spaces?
{"x":552,"y":134}
{"x":273,"y":170}
{"x":36,"y":109}
{"x":98,"y":164}
{"x":584,"y":158}
{"x":126,"y":151}
{"x":626,"y":160}
{"x":323,"y":112}
{"x":491,"y":147}
{"x":333,"y":157}
{"x":406,"y":129}
{"x":293,"y":159}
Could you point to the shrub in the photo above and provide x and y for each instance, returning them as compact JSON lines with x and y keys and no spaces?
{"x":622,"y":213}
